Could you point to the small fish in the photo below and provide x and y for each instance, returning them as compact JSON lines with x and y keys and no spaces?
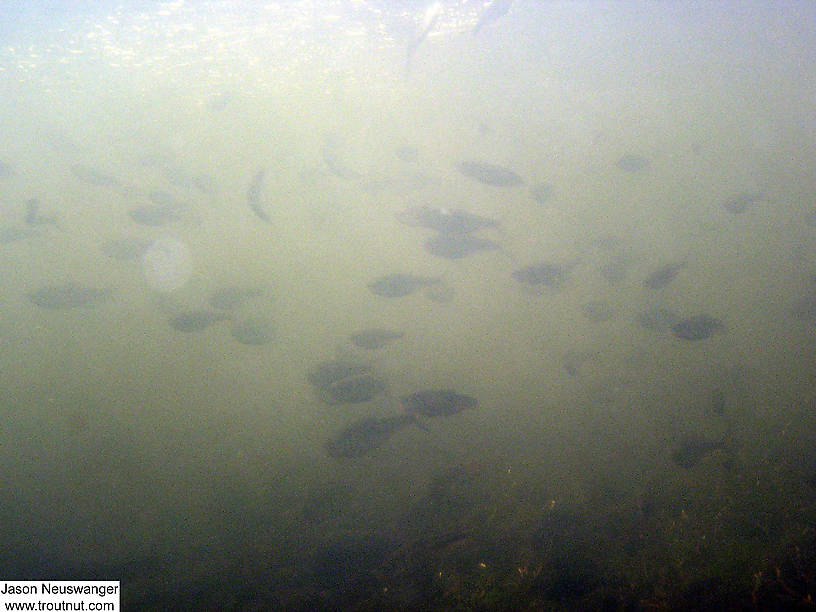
{"x":154,"y":215}
{"x":400,"y":285}
{"x":254,"y":330}
{"x":457,"y":246}
{"x":254,"y":195}
{"x":445,"y":221}
{"x":542,"y":192}
{"x":546,"y":274}
{"x":742,"y":201}
{"x":354,"y":389}
{"x":13,"y":233}
{"x":365,"y":435}
{"x":693,"y":448}
{"x":697,"y":327}
{"x":33,"y":216}
{"x":657,"y":318}
{"x":337,"y":166}
{"x":490,"y":174}
{"x":494,"y":11}
{"x":375,"y":338}
{"x":437,"y":402}
{"x":429,"y":19}
{"x":92,"y":176}
{"x":663,"y":275}
{"x":69,"y":295}
{"x":344,"y":382}
{"x":598,"y":311}
{"x":196,"y":320}
{"x":127,"y":248}
{"x":632,"y":163}
{"x":232,"y":297}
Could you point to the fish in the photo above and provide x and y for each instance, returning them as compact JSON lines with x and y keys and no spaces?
{"x":69,"y":295}
{"x":663,"y":275}
{"x":375,"y":338}
{"x":336,"y":165}
{"x":445,"y":221}
{"x":693,"y":448}
{"x":457,"y":246}
{"x":6,"y":170}
{"x":154,"y":215}
{"x":543,"y":273}
{"x":407,"y":154}
{"x":196,"y":320}
{"x":344,"y":382}
{"x":33,"y":216}
{"x":437,"y":402}
{"x":743,"y":201}
{"x":697,"y":327}
{"x":805,"y":308}
{"x":92,"y":176}
{"x":632,"y":163}
{"x":126,"y":248}
{"x":400,"y":285}
{"x":494,"y":11}
{"x":657,"y":318}
{"x":598,"y":311}
{"x":12,"y":233}
{"x":542,"y":192}
{"x":429,"y":19}
{"x":354,"y":389}
{"x":254,"y":330}
{"x":232,"y":297}
{"x":254,"y":195}
{"x":490,"y":174}
{"x":362,"y":436}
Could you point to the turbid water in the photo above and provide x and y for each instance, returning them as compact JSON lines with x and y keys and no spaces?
{"x":592,"y":220}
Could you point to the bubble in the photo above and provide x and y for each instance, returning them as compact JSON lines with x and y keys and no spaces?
{"x":167,"y":264}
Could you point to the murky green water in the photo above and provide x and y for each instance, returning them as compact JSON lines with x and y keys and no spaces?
{"x":611,"y":462}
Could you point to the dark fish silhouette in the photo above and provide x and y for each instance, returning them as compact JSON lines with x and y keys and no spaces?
{"x":13,"y":233}
{"x":365,"y":435}
{"x":69,"y":295}
{"x":430,"y":18}
{"x":456,"y":246}
{"x":693,"y":448}
{"x":354,"y":389}
{"x":663,"y":275}
{"x":546,"y":274}
{"x":232,"y":297}
{"x":93,"y":176}
{"x":437,"y":402}
{"x":254,"y":195}
{"x":494,"y":11}
{"x":126,"y":249}
{"x":742,"y":202}
{"x":154,"y":215}
{"x":632,"y":163}
{"x":336,"y":165}
{"x":196,"y":320}
{"x":6,"y":170}
{"x":697,"y":327}
{"x":375,"y":338}
{"x":657,"y":318}
{"x":33,"y":216}
{"x":400,"y":285}
{"x":344,"y":382}
{"x":490,"y":174}
{"x":254,"y":330}
{"x":598,"y":311}
{"x":542,"y":192}
{"x":445,"y":221}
